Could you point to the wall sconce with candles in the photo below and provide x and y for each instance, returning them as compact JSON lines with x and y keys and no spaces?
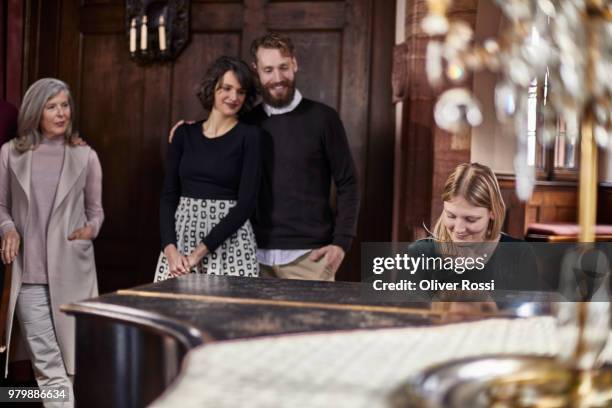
{"x":157,"y":30}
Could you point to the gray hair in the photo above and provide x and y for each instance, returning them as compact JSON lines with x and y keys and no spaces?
{"x":30,"y":114}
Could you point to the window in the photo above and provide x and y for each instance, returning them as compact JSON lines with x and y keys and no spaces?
{"x":559,"y":160}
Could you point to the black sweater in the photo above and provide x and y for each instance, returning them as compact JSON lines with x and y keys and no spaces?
{"x":512,"y":265}
{"x":222,"y":168}
{"x":303,"y":151}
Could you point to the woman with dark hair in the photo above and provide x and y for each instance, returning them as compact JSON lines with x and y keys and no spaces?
{"x":212,"y":178}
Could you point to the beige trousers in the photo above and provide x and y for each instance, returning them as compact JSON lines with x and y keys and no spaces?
{"x":34,"y":314}
{"x":301,"y":268}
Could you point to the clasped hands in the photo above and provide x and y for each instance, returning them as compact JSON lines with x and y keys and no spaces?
{"x":11,"y":242}
{"x":180,"y":264}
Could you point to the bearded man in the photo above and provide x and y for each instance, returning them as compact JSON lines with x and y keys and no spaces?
{"x":305,"y":148}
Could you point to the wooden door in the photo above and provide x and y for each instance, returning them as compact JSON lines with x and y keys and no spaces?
{"x":125,"y":110}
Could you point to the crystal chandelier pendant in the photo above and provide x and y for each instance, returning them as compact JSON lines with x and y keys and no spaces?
{"x":601,"y":136}
{"x":435,"y":25}
{"x":457,"y":110}
{"x":525,"y":177}
{"x":505,"y":101}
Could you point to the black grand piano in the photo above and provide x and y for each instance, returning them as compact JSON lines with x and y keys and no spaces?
{"x":130,"y":343}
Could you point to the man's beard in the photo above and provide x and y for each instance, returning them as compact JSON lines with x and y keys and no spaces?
{"x":269,"y":99}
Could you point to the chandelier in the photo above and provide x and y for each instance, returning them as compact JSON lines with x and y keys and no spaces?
{"x":566,"y":44}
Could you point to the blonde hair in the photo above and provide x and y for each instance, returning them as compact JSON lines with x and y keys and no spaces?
{"x":30,"y":114}
{"x":477,"y":184}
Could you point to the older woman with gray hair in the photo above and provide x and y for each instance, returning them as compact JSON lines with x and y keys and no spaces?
{"x":50,"y":210}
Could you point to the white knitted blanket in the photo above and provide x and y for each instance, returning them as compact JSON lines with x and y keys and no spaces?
{"x":343,"y":369}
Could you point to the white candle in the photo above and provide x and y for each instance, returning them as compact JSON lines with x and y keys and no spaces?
{"x":143,"y":34}
{"x":133,"y":36}
{"x":162,"y":34}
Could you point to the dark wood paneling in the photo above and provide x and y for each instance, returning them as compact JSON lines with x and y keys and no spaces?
{"x":514,"y":224}
{"x":253,"y":25}
{"x":354,"y":105}
{"x":3,"y":36}
{"x":70,"y":59}
{"x":319,"y":56}
{"x":102,"y":19}
{"x":125,"y":110}
{"x":90,"y":2}
{"x":604,"y":207}
{"x":216,"y":17}
{"x":108,"y":87}
{"x":377,"y":202}
{"x":304,"y":16}
{"x":15,"y":45}
{"x":551,"y":202}
{"x":416,"y":155}
{"x":149,"y":173}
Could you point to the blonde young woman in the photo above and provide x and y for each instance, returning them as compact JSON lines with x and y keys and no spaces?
{"x":470,"y":225}
{"x":50,"y":211}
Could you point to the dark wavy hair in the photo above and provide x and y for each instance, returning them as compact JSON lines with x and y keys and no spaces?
{"x":213,"y":76}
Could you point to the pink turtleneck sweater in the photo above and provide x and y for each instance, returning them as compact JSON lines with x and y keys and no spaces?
{"x":47,"y":162}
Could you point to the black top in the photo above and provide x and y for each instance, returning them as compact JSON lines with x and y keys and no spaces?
{"x":227,"y":167}
{"x":512,"y":265}
{"x":303,"y":150}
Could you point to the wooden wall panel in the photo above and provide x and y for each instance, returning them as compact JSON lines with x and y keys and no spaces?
{"x":319,"y":56}
{"x":415,"y":180}
{"x":125,"y":110}
{"x":377,"y":204}
{"x":294,"y":16}
{"x":354,"y":107}
{"x":604,"y":207}
{"x":551,"y":202}
{"x":122,"y":86}
{"x":3,"y":41}
{"x":195,"y":2}
{"x":90,"y":2}
{"x":216,"y":17}
{"x":150,"y":172}
{"x":355,"y":81}
{"x":15,"y":16}
{"x":116,"y":133}
{"x":515,"y":208}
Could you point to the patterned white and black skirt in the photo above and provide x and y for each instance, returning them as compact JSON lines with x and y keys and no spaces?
{"x":194,"y":218}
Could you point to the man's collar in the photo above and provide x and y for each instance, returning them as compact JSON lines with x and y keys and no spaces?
{"x":297,"y":98}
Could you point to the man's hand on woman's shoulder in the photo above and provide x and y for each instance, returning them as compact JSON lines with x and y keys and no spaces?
{"x":76,"y":140}
{"x":176,"y":125}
